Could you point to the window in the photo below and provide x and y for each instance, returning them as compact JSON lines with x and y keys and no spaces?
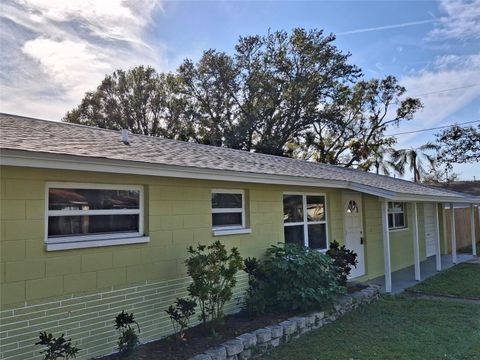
{"x":352,"y":207}
{"x":85,"y":215}
{"x":396,"y":215}
{"x":304,"y":218}
{"x":228,"y":212}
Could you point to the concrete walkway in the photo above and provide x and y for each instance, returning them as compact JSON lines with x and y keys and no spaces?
{"x":405,"y":278}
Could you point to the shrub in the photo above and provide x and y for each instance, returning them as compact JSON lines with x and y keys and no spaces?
{"x":128,"y":339}
{"x":256,"y":300}
{"x":212,"y":270}
{"x":343,"y":259}
{"x":180,"y":315}
{"x":57,"y":348}
{"x":291,"y":277}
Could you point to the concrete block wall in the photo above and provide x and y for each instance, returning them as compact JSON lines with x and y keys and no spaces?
{"x":80,"y":291}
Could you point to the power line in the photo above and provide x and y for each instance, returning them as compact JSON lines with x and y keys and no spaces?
{"x":434,"y":128}
{"x":446,"y":90}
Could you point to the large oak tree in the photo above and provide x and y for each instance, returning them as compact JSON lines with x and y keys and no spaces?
{"x":292,"y":94}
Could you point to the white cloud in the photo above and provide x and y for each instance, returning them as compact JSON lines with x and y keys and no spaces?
{"x":67,"y":62}
{"x":461,"y":20}
{"x":448,"y":72}
{"x":459,"y":72}
{"x":58,"y":50}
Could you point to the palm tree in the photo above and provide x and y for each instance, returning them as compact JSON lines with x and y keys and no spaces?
{"x":415,"y":159}
{"x":381,"y":163}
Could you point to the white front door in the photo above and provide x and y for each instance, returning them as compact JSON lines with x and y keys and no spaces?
{"x":430,"y":228}
{"x":353,"y":230}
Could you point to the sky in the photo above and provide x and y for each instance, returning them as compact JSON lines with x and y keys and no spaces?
{"x":53,"y":51}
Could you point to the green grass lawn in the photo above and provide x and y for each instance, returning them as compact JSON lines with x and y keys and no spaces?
{"x":394,"y":328}
{"x":461,"y":280}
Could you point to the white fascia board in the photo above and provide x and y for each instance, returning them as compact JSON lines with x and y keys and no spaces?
{"x":10,"y":157}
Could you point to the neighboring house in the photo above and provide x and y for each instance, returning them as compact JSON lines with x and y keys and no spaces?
{"x":467,"y":187}
{"x":92,"y":225}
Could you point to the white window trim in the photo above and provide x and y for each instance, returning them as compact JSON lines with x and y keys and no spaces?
{"x":398,"y":228}
{"x":305,"y":221}
{"x":222,"y":232}
{"x":233,"y":229}
{"x":96,"y":243}
{"x":97,"y":240}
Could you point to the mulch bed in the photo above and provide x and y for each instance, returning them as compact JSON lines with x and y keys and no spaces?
{"x":199,"y":338}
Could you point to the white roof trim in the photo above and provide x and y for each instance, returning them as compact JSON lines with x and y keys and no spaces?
{"x":24,"y":158}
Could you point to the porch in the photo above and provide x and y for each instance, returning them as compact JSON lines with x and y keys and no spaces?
{"x":404,"y":278}
{"x":433,"y":263}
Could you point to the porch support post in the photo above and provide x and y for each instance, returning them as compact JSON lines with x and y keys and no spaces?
{"x":438,"y":256}
{"x":472,"y":228}
{"x":386,"y":247}
{"x":453,"y":234}
{"x":416,"y":250}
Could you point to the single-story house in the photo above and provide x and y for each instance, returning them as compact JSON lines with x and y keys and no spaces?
{"x":95,"y":221}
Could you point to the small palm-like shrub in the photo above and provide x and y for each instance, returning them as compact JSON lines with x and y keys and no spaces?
{"x":180,"y":314}
{"x":56,"y":348}
{"x":128,"y":338}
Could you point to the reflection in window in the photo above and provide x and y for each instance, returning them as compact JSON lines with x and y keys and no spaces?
{"x":294,"y":235}
{"x":316,"y":208}
{"x":226,"y":200}
{"x":92,"y":199}
{"x":352,"y":207}
{"x":292,"y":208}
{"x":97,"y":224}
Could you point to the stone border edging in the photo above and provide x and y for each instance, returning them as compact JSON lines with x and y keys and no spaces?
{"x":256,"y":343}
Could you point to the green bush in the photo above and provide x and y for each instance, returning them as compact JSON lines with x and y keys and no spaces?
{"x":212,"y":270}
{"x":56,"y":348}
{"x":291,"y":277}
{"x":343,"y":259}
{"x":128,"y":338}
{"x":180,"y":316}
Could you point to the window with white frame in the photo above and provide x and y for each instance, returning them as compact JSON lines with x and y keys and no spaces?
{"x":93,"y":212}
{"x":397,"y":218}
{"x":305,"y":220}
{"x":228,"y":209}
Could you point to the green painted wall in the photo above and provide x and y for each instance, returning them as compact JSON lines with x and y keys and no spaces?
{"x":80,"y":291}
{"x":401,"y":241}
{"x":177,"y":215}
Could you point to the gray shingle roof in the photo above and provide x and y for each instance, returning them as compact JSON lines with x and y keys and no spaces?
{"x":34,"y":135}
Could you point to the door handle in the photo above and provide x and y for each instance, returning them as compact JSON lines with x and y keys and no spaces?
{"x":361,"y":240}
